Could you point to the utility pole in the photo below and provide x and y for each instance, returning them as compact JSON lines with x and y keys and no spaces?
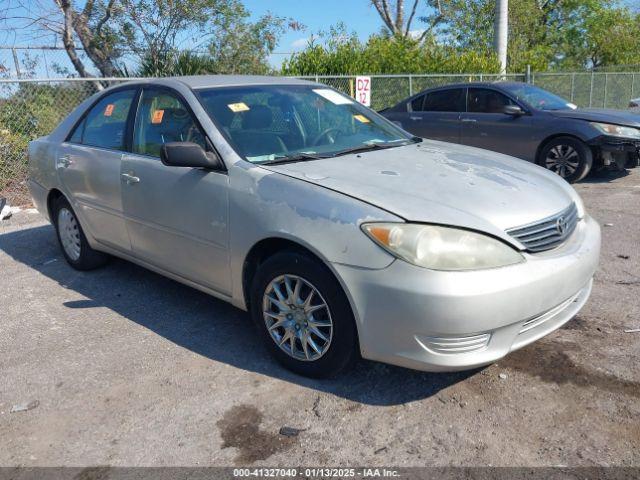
{"x":501,"y":33}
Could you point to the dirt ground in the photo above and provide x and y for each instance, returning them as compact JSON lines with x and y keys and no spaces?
{"x":121,"y":366}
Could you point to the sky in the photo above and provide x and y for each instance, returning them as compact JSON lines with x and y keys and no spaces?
{"x":316,"y":15}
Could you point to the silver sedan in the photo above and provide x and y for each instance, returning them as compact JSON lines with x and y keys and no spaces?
{"x":340,"y":233}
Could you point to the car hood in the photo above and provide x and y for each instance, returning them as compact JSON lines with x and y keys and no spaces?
{"x":617,"y":117}
{"x":442,"y":183}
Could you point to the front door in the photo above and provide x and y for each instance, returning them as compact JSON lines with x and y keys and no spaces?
{"x":486,"y":126}
{"x":177,"y":217}
{"x":89,"y":163}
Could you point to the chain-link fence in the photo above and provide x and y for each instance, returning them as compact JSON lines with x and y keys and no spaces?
{"x":32,"y":108}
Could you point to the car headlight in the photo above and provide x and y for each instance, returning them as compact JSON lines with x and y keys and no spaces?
{"x":441,"y":248}
{"x":617,"y":130}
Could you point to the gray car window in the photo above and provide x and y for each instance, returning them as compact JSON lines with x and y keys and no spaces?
{"x":105,"y":124}
{"x":451,"y":100}
{"x":163,"y":118}
{"x":485,"y":100}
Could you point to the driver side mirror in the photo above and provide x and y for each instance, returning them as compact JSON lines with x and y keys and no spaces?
{"x":188,"y":154}
{"x":513,"y":110}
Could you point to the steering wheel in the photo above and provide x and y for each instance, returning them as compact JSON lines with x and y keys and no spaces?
{"x":325,"y":133}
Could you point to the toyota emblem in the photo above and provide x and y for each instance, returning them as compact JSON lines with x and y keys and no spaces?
{"x":561,"y":225}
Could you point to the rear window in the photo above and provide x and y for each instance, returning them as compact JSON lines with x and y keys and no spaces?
{"x":105,"y":124}
{"x":445,"y":101}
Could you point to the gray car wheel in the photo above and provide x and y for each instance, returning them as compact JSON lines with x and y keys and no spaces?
{"x":72,"y":240}
{"x":568,"y":157}
{"x":303,"y":316}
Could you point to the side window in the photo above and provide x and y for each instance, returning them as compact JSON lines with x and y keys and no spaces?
{"x":417,"y":103}
{"x":451,"y":100}
{"x":105,"y":124}
{"x":484,"y":100}
{"x":162,"y":118}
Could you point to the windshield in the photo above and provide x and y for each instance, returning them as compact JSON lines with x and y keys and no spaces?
{"x":539,"y":98}
{"x":270,"y":123}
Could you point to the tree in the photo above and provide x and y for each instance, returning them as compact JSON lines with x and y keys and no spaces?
{"x":230,"y":43}
{"x":548,"y":33}
{"x":155,"y":31}
{"x":90,"y":26}
{"x":398,"y":24}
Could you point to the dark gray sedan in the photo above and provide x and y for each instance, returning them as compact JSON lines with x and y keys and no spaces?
{"x":524,"y":121}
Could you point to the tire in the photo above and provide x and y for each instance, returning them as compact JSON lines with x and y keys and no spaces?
{"x":569,"y":157}
{"x":337,"y":350}
{"x":72,"y":240}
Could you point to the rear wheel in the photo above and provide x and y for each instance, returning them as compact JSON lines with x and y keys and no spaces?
{"x":568,"y":157}
{"x":75,"y":248}
{"x":303,"y":315}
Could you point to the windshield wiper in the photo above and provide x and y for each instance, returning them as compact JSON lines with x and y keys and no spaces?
{"x":297,"y":157}
{"x":367,"y":147}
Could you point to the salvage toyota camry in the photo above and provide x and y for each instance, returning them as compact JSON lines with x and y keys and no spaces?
{"x":339,"y":232}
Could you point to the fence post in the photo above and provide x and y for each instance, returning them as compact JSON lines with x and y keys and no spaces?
{"x":17,"y":63}
{"x":527,"y":77}
{"x":604,"y":100}
{"x":591,"y":91}
{"x":573,"y":85}
{"x":410,"y":85}
{"x":633,"y":84}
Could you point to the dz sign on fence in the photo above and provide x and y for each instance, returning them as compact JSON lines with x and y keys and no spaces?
{"x":363,"y":90}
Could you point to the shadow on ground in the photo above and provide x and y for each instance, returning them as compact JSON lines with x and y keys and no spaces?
{"x":605,"y":176}
{"x":205,"y":325}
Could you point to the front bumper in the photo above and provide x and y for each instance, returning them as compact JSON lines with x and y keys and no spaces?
{"x":439,"y":321}
{"x":617,"y":145}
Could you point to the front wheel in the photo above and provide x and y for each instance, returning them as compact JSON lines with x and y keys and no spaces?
{"x":303,"y":315}
{"x":568,"y":157}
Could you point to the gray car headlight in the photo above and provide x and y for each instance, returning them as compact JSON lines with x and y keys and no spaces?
{"x":441,"y":248}
{"x":617,"y":130}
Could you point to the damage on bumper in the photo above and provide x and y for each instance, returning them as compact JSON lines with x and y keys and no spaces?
{"x":615,"y":147}
{"x":442,"y":321}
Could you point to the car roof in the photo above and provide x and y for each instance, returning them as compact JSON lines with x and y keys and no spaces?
{"x":213,"y":81}
{"x":474,"y":84}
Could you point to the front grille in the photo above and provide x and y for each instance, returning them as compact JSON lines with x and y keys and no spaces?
{"x":548,"y":233}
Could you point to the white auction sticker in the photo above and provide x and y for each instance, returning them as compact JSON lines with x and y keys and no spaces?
{"x":333,"y":97}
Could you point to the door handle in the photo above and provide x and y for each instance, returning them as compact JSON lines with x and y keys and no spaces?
{"x":469,"y":120}
{"x":65,"y":161}
{"x":130,"y":179}
{"x":414,"y":118}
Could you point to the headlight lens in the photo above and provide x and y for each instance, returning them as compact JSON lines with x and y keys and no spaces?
{"x":441,"y":248}
{"x":617,"y":130}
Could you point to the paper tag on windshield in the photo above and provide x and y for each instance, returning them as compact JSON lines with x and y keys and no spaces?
{"x":238,"y":107}
{"x":109,"y":110}
{"x":333,"y":97}
{"x":157,"y":116}
{"x":361,"y":118}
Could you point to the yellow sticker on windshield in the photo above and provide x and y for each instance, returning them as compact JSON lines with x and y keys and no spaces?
{"x":362,"y":118}
{"x":238,"y":107}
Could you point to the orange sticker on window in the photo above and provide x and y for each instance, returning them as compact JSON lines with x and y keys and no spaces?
{"x":109,"y":110}
{"x":157,"y":116}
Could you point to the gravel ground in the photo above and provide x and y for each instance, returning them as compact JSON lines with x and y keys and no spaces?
{"x":121,"y":366}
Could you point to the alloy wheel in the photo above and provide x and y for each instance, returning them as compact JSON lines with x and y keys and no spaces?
{"x":563,"y":160}
{"x":297,"y":317}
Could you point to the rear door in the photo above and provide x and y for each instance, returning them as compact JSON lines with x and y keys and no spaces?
{"x":88,"y":164}
{"x":177,"y":217}
{"x":484,"y":125}
{"x":436,"y":115}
